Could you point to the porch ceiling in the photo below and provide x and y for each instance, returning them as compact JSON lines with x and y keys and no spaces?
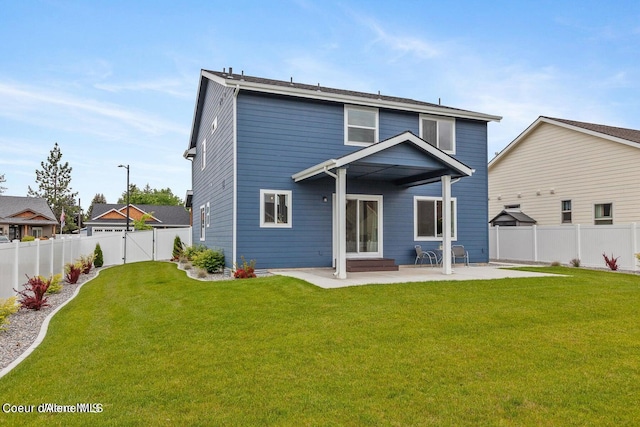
{"x":405,"y":160}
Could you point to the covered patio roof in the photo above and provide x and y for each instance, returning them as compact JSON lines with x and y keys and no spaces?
{"x":405,"y":159}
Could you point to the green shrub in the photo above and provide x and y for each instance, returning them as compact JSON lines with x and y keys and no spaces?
{"x":8,"y":306}
{"x":209,"y":260}
{"x":178,"y":248}
{"x":27,"y":239}
{"x":193,"y":251}
{"x":56,"y":284}
{"x":98,"y":260}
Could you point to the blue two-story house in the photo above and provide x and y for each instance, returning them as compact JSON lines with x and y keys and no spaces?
{"x":294,"y":175}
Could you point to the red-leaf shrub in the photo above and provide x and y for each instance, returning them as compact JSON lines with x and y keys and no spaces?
{"x":32,"y":296}
{"x":247,"y":270}
{"x":612,"y":262}
{"x":73,"y":272}
{"x":87,"y":263}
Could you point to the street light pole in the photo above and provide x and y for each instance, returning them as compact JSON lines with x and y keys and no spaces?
{"x":126,"y":229}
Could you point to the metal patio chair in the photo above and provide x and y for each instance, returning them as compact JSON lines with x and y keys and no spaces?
{"x":422,"y":255}
{"x":458,"y":251}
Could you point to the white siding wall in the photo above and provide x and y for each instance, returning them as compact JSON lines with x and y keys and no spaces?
{"x":578,"y":167}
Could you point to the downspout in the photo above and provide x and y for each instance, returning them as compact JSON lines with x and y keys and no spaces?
{"x":234,"y":225}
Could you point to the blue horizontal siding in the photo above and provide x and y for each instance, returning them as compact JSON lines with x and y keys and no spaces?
{"x":280,"y":136}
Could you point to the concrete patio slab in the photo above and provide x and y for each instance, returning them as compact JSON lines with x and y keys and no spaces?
{"x":324,"y":278}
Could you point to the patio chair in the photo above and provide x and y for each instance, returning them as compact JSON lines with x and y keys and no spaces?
{"x":421,"y":255}
{"x":457,"y":251}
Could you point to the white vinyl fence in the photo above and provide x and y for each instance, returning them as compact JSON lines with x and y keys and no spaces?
{"x":48,"y":257}
{"x":564,"y":243}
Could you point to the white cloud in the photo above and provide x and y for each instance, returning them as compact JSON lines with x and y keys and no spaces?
{"x":174,"y":87}
{"x":23,"y":103}
{"x":402,"y":45}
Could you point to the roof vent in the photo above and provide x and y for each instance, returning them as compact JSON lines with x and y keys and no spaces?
{"x":230,"y":70}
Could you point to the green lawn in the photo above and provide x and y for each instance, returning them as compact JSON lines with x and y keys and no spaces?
{"x":156,"y":348}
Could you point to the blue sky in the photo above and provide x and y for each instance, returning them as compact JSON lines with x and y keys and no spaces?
{"x":115,"y":81}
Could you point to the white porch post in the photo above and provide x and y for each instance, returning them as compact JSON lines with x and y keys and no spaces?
{"x":341,"y":216}
{"x":446,"y":224}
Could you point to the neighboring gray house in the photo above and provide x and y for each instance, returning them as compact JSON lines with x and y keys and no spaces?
{"x":26,"y":216}
{"x":298,"y":175}
{"x":107,"y":217}
{"x":512,"y":218}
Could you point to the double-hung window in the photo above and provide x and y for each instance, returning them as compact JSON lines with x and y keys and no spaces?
{"x":275,"y":208}
{"x":439,"y":132}
{"x":427,"y":214}
{"x":566,"y":211}
{"x":603,"y":214}
{"x":360,"y":125}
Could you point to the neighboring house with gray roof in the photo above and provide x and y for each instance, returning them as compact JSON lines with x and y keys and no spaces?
{"x":108,"y":217}
{"x":562,"y":171}
{"x":26,"y":216}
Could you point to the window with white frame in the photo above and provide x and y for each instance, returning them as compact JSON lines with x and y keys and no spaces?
{"x":427,"y":214}
{"x":36,"y":232}
{"x":202,"y":222}
{"x":360,"y":125}
{"x":204,"y":154}
{"x":275,"y":208}
{"x":439,"y":132}
{"x":603,"y":214}
{"x":208,"y":214}
{"x":566,"y":211}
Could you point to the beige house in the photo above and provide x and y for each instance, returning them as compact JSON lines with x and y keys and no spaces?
{"x":566,"y":172}
{"x":26,"y":216}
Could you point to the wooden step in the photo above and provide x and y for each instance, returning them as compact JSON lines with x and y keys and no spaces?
{"x":371,"y":264}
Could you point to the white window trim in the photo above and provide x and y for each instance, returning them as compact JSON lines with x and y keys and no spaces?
{"x":208,"y":214}
{"x":203,"y":232}
{"x":214,"y":125}
{"x":604,"y":218}
{"x":454,"y":212}
{"x":346,"y":125}
{"x":570,"y":211}
{"x":289,"y":223}
{"x":439,"y":119}
{"x":204,"y":155}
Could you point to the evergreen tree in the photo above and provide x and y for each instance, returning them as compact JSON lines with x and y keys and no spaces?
{"x":98,"y":198}
{"x":54,"y":180}
{"x":98,"y":259}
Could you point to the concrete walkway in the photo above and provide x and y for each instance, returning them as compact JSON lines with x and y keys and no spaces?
{"x":323,"y":277}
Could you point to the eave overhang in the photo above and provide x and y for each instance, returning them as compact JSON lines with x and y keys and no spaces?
{"x":427,"y":164}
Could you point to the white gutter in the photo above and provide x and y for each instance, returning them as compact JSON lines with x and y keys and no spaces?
{"x":350,"y":99}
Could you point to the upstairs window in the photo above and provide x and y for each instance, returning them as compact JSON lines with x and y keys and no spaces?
{"x":204,"y":154}
{"x":603,"y":214}
{"x":439,"y":132}
{"x":360,"y":125}
{"x":566,"y":211}
{"x":275,"y":208}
